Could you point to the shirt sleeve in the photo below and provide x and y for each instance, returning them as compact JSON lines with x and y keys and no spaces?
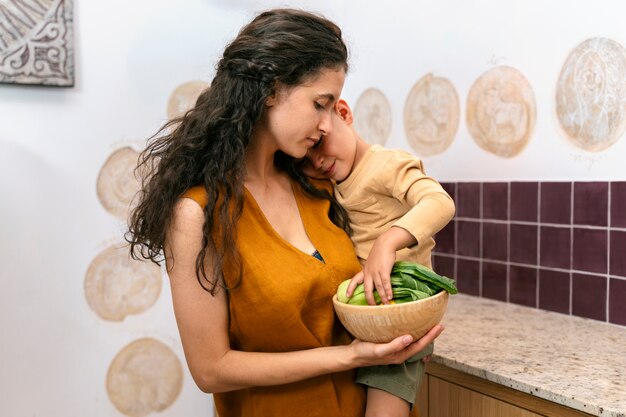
{"x":429,"y":207}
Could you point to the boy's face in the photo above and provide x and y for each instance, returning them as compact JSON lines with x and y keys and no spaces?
{"x":332,"y":157}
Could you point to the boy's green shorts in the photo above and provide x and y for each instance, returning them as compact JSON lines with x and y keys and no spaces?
{"x":400,"y":380}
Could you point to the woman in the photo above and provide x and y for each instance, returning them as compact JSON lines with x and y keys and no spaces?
{"x":253,"y":251}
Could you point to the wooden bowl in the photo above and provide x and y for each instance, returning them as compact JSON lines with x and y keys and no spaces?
{"x":383,"y":323}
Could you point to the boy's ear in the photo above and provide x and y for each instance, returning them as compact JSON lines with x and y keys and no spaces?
{"x":344,"y":111}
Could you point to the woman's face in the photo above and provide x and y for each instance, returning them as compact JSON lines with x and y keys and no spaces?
{"x":297,"y":117}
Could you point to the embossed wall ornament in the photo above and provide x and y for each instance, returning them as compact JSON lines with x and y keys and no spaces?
{"x":591,"y":94}
{"x":372,"y":116}
{"x":117,"y":184}
{"x":184,"y":97}
{"x":431,"y":115}
{"x":36,"y":42}
{"x":501,"y":111}
{"x":116,"y":285}
{"x":145,"y":376}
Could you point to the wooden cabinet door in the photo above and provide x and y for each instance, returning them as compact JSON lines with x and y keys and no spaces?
{"x":446,"y":399}
{"x":451,"y":393}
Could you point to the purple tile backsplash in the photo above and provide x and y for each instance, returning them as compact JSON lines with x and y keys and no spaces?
{"x":523,"y":282}
{"x":589,"y":296}
{"x":468,"y":200}
{"x":469,"y":238}
{"x":591,"y":203}
{"x":556,"y":202}
{"x":617,"y":296}
{"x":524,"y":201}
{"x":495,"y":241}
{"x":496,"y":200}
{"x":589,"y":252}
{"x":618,"y":253}
{"x":557,"y":246}
{"x":494,"y":281}
{"x":554,"y":290}
{"x":618,"y":204}
{"x":468,"y":276}
{"x":524,"y":244}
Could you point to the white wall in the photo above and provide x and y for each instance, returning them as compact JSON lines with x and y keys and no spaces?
{"x":395,"y":43}
{"x":55,"y":351}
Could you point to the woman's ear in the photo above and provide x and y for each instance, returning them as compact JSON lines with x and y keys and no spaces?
{"x":271,"y":100}
{"x":344,"y":111}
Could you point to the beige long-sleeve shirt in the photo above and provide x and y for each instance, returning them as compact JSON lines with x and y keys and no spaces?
{"x":389,"y":188}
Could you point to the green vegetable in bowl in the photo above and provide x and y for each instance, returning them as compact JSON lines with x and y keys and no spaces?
{"x":409,"y":282}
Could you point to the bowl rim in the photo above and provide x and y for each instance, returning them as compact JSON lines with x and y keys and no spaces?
{"x":387,"y":306}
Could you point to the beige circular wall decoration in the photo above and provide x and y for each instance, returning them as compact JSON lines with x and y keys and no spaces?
{"x":116,"y":285}
{"x":431,"y":115}
{"x":117,"y":185}
{"x":372,"y":116}
{"x":184,"y":97}
{"x":145,"y":376}
{"x":591,"y":94}
{"x":501,"y":111}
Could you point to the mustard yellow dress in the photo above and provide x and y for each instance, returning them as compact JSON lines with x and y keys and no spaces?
{"x":284,"y":303}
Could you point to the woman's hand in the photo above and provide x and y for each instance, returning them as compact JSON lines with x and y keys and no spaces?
{"x":395,"y":352}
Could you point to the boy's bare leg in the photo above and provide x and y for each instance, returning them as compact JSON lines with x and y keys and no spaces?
{"x":384,"y":404}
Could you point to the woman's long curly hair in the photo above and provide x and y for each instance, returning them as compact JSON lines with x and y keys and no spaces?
{"x":206,"y":146}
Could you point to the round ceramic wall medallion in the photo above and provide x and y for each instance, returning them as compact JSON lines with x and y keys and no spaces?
{"x":116,"y":286}
{"x":591,"y":94}
{"x":372,"y":116}
{"x":184,"y":97}
{"x":145,"y":376}
{"x":501,"y":111}
{"x":117,"y":184}
{"x":431,"y":115}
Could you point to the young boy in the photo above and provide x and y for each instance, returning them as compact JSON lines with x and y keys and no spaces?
{"x":394,"y":210}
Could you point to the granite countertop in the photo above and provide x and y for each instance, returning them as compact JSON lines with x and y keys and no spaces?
{"x":576,"y":362}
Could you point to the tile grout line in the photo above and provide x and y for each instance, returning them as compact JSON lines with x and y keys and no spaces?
{"x":539,"y":229}
{"x":456,"y":234}
{"x":571,"y":251}
{"x":537,"y":280}
{"x":538,"y":236}
{"x":608,"y":252}
{"x":480,"y":238}
{"x":508,"y":243}
{"x":556,"y":225}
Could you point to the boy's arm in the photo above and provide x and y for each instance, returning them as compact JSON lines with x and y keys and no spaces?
{"x":429,"y":209}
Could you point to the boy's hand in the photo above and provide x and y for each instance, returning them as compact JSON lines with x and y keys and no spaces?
{"x":376,"y":272}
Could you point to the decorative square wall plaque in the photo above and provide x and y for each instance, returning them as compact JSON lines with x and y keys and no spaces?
{"x":36,"y":42}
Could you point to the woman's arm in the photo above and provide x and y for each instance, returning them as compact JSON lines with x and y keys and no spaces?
{"x":203,"y":325}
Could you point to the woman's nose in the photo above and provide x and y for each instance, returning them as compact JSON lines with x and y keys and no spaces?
{"x":325,"y":125}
